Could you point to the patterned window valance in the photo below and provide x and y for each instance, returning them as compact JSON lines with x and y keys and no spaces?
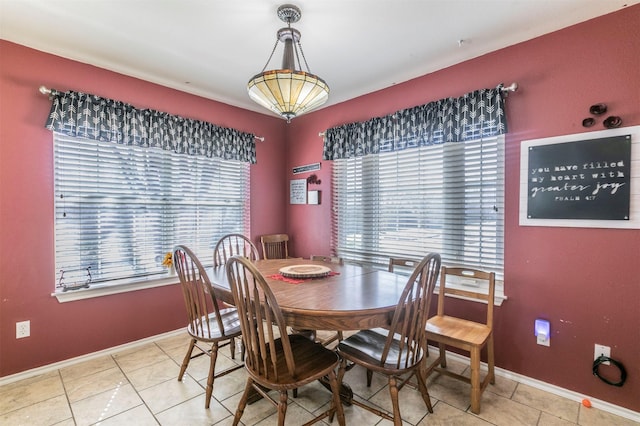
{"x":472,"y":116}
{"x":92,"y":117}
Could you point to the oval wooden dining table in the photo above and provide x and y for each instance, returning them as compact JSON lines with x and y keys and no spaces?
{"x":352,"y":298}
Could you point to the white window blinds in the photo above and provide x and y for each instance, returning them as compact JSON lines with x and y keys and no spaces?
{"x":119,"y":209}
{"x":445,"y":198}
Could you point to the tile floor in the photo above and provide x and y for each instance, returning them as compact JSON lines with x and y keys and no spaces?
{"x":139,"y":387}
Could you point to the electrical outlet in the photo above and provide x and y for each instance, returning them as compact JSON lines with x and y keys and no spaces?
{"x":602,"y":350}
{"x":23,"y":329}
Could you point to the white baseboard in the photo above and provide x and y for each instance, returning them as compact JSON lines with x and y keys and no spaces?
{"x":534,"y":383}
{"x":556,"y":390}
{"x":66,"y":363}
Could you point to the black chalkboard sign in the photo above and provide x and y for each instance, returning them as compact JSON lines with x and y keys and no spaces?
{"x":587,"y":179}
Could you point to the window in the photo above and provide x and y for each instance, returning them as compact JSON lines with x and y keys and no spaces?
{"x":119,"y":208}
{"x":446,"y":198}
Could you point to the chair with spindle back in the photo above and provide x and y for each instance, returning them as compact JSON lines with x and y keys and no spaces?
{"x":275,"y":246}
{"x":400,"y":349}
{"x":275,"y":360}
{"x":232,"y":244}
{"x":210,"y":327}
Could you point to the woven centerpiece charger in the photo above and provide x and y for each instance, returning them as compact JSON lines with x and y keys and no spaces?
{"x":305,"y":271}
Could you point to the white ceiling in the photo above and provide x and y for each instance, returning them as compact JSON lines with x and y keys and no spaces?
{"x":212,"y":48}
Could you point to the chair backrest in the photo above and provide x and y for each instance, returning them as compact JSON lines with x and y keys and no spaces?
{"x":199,"y":295}
{"x":232,"y":244}
{"x":406,"y":338}
{"x":328,"y":259}
{"x":259,"y":314}
{"x":402,"y":262}
{"x":468,"y":274}
{"x":275,"y":246}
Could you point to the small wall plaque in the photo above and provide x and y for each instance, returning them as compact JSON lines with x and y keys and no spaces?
{"x":307,"y":168}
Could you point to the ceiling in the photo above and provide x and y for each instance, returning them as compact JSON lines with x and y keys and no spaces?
{"x":212,"y":48}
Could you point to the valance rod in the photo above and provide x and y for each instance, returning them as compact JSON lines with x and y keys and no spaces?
{"x":510,"y":88}
{"x":45,"y":91}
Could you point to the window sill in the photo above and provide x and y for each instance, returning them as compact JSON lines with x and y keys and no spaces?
{"x":100,"y":290}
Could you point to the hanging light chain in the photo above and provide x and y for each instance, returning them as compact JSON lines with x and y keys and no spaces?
{"x":303,"y":57}
{"x":271,"y":56}
{"x":297,"y":44}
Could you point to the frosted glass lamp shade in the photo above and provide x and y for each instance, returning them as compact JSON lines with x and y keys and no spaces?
{"x":288,"y":93}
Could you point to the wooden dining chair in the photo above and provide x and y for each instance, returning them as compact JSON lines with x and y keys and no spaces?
{"x":232,"y":244}
{"x":275,"y":360}
{"x":275,"y":246}
{"x":464,"y":334}
{"x":400,"y":349}
{"x":210,"y":327}
{"x":403,"y":263}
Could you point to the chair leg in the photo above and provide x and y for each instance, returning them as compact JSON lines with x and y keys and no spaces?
{"x":212,"y":372}
{"x":337,"y":403}
{"x":243,"y":401}
{"x":443,"y":355}
{"x":428,"y":367}
{"x":342,"y":369}
{"x":187,"y":358}
{"x":282,"y":407}
{"x":232,"y":348}
{"x":369,"y":377}
{"x":422,"y":386}
{"x":393,"y":390}
{"x":491,"y":360}
{"x":475,"y":380}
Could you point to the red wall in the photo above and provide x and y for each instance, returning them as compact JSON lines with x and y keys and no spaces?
{"x":585,"y":281}
{"x":62,"y":331}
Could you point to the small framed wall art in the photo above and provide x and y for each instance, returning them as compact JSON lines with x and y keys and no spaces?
{"x":298,"y":191}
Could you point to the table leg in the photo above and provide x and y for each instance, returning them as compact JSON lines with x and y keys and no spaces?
{"x":346,"y":393}
{"x":309,"y":334}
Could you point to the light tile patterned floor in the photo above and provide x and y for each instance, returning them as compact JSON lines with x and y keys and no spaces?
{"x":139,"y":387}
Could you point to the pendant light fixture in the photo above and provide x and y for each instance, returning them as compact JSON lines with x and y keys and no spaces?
{"x":289,"y":92}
